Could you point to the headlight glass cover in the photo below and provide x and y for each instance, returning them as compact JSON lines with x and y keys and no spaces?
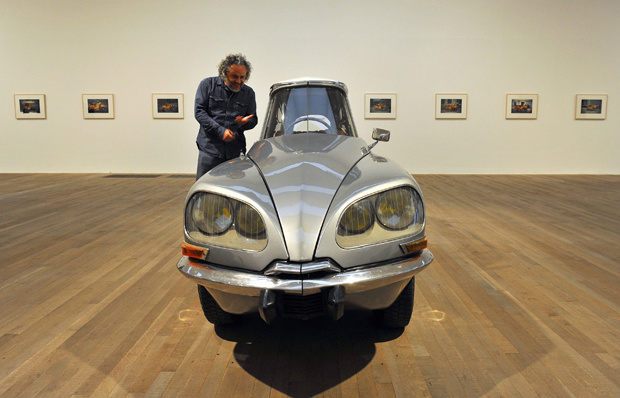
{"x":213,"y":214}
{"x":221,"y":221}
{"x":357,"y":218}
{"x":396,"y":209}
{"x":248,"y":222}
{"x":385,"y":216}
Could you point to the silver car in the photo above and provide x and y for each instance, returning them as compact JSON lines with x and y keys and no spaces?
{"x":310,"y":222}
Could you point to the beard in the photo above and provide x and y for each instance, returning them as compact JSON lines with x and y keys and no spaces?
{"x":232,"y":85}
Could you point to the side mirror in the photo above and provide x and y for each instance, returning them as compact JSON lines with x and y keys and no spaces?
{"x":381,"y":135}
{"x":377,"y":135}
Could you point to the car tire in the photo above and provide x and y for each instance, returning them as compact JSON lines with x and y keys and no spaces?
{"x":212,"y":310}
{"x":398,"y":315}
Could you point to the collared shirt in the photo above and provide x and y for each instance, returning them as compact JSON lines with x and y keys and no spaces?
{"x":216,"y":108}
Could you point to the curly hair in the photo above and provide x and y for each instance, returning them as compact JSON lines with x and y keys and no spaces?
{"x":234,"y":59}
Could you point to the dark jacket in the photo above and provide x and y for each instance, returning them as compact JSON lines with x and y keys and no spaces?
{"x":216,"y":108}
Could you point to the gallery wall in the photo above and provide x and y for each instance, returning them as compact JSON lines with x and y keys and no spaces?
{"x":415,"y":49}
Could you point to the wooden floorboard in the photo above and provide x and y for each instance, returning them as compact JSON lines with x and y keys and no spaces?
{"x":522,"y":300}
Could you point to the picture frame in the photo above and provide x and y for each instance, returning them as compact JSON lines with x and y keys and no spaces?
{"x":521,"y":106}
{"x":98,"y":106}
{"x":380,"y":106}
{"x":591,"y":106}
{"x":168,"y":106}
{"x":30,"y":106}
{"x":450,"y":106}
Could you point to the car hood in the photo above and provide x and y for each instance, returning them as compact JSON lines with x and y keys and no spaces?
{"x":302,"y":173}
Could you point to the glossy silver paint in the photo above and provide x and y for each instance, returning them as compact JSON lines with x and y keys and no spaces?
{"x":303,"y":173}
{"x":301,"y":184}
{"x":241,"y":180}
{"x":372,"y":174}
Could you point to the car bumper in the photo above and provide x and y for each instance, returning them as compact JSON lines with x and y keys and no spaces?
{"x":370,"y":288}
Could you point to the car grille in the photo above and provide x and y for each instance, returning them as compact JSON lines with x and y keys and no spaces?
{"x":302,"y":307}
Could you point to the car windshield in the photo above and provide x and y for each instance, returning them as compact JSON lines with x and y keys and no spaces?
{"x":297,"y":110}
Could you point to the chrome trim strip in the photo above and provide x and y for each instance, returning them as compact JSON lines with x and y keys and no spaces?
{"x":308,"y":82}
{"x":234,"y":282}
{"x":301,"y":268}
{"x":356,"y":281}
{"x":283,"y":268}
{"x":367,"y":279}
{"x":322,"y":266}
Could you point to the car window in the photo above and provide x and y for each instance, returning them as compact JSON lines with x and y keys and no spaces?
{"x":300,"y":110}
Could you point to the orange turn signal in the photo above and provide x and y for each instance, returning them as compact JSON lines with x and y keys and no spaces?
{"x":415,"y":246}
{"x":194,"y":251}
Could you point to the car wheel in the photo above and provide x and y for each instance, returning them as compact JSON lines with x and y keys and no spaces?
{"x":212,"y":310}
{"x":399,"y":313}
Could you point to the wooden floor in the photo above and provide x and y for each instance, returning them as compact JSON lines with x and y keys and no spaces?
{"x":523,"y":299}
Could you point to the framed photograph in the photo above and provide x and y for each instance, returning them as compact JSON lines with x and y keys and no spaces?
{"x":380,"y":106}
{"x":168,"y":106}
{"x":521,"y":106}
{"x":98,"y":106}
{"x":591,"y":106}
{"x":30,"y":106}
{"x":450,"y":106}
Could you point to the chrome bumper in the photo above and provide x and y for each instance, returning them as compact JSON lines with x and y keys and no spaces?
{"x":372,"y":287}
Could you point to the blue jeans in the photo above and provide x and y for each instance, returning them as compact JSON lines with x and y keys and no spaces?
{"x":206,"y":163}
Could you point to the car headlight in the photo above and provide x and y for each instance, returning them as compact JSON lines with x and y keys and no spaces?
{"x":385,"y":216}
{"x":213,"y":214}
{"x":396,"y":208}
{"x":249,"y":223}
{"x":221,"y":221}
{"x":357,"y":218}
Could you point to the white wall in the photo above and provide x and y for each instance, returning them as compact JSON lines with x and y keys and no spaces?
{"x":416,"y":48}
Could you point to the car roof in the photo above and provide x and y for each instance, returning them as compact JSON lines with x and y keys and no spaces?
{"x":308,"y":81}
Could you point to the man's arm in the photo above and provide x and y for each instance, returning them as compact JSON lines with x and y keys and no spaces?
{"x":201,"y":113}
{"x":252,"y":121}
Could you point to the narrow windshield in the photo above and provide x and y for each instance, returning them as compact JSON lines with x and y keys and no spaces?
{"x":299,"y":110}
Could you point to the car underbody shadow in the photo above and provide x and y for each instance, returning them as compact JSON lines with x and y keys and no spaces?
{"x":305,"y":358}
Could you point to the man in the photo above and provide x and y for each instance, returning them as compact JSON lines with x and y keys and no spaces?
{"x":225,"y":107}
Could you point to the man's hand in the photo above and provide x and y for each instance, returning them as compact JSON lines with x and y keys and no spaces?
{"x":243,"y":120}
{"x":228,"y":136}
